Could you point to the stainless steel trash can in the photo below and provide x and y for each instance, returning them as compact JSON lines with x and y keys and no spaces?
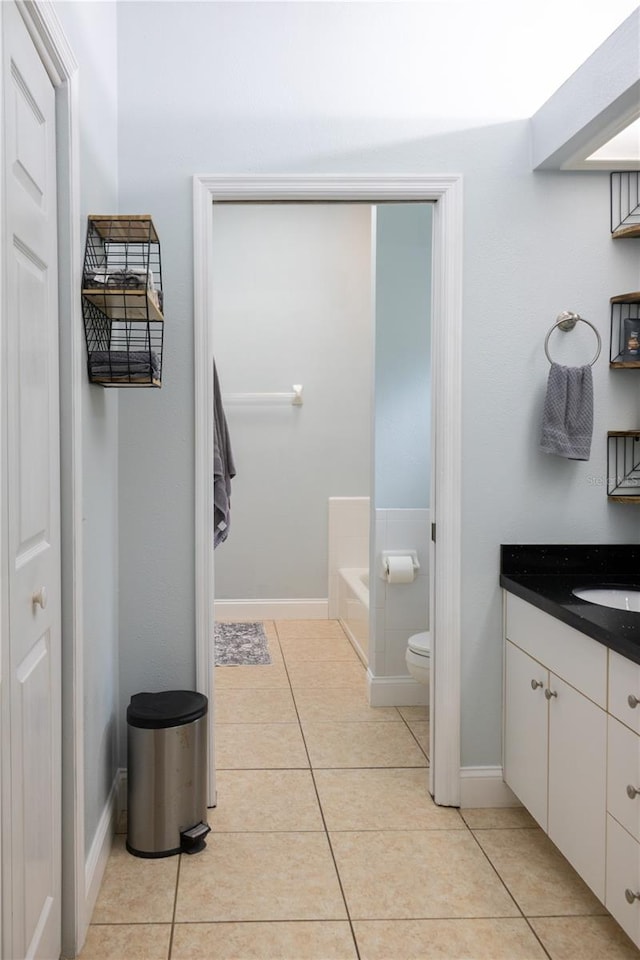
{"x":167,"y":773}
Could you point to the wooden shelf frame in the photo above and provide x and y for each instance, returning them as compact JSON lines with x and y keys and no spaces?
{"x":624,"y":233}
{"x":124,"y":305}
{"x":125,"y":228}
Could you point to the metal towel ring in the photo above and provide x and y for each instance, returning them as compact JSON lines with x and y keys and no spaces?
{"x":567,"y":321}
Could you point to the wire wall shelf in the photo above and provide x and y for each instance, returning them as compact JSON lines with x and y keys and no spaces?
{"x":122,"y":302}
{"x":625,"y":330}
{"x":623,"y":466}
{"x":625,"y":203}
{"x":623,"y":446}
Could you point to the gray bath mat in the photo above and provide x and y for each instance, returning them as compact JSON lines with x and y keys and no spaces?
{"x":238,"y":644}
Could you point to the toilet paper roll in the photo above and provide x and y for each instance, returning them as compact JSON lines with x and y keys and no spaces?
{"x":400,"y":570}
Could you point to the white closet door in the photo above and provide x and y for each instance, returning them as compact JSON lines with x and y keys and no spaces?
{"x":31,"y":642}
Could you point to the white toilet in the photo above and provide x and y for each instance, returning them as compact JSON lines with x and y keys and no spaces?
{"x":418,"y":656}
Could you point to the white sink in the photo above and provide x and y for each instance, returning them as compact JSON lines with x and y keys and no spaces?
{"x":622,"y":598}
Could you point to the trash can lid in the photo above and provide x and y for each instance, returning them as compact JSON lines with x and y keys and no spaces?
{"x":169,"y":708}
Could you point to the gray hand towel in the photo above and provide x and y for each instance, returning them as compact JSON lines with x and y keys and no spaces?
{"x":567,"y":420}
{"x":223,"y":467}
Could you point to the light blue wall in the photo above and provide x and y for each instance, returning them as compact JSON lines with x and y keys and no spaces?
{"x":291,"y":303}
{"x":91,"y":30}
{"x":203,"y":88}
{"x":402,"y":351}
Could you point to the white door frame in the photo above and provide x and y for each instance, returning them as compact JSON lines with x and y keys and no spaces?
{"x":60,"y":63}
{"x":447,"y":417}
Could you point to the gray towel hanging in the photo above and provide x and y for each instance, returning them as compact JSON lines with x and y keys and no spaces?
{"x":567,"y":419}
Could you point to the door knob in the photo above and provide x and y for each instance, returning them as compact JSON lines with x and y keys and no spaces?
{"x":40,"y":598}
{"x":550,"y":693}
{"x":535,"y":684}
{"x":632,"y":792}
{"x":631,"y":896}
{"x":632,"y":701}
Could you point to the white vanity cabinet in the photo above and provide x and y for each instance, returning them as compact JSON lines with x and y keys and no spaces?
{"x":555,"y":743}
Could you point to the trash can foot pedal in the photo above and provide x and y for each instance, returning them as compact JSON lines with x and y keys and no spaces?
{"x":192,"y":840}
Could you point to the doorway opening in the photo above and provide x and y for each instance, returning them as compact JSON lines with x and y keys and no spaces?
{"x":445,"y":193}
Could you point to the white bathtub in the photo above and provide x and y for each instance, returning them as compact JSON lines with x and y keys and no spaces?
{"x":353,"y":608}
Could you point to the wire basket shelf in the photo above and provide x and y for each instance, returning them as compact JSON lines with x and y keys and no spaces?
{"x":623,"y":466}
{"x":625,"y":203}
{"x":122,"y":302}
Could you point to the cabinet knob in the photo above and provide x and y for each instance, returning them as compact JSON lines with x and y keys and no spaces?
{"x":631,"y":896}
{"x":550,"y":693}
{"x":632,"y":792}
{"x":632,"y":701}
{"x":535,"y":684}
{"x":40,"y":598}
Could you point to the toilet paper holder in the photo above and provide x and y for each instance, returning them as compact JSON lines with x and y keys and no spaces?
{"x":385,"y":556}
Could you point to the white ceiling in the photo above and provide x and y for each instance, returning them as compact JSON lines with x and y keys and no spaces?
{"x":438,"y":61}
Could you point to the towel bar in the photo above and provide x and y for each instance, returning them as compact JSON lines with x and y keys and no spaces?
{"x":566,"y":321}
{"x":294,"y":398}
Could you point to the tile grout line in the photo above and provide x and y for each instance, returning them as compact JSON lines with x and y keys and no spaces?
{"x":528,"y":922}
{"x":324,"y":822}
{"x":175,"y":907}
{"x":524,"y":915}
{"x":434,"y":830}
{"x":493,"y":867}
{"x":408,"y":726}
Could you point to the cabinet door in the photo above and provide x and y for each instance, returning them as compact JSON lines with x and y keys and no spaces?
{"x":525,"y":740}
{"x":623,"y":879}
{"x":577,"y":781}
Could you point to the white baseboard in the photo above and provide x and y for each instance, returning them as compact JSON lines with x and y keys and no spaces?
{"x":396,"y":691}
{"x":271,"y":609}
{"x":484,"y":787}
{"x":98,"y":855}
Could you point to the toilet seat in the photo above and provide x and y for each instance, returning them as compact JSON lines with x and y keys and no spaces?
{"x":420,"y":644}
{"x":418,"y":660}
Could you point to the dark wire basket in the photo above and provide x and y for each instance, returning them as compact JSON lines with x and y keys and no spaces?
{"x":122,"y":302}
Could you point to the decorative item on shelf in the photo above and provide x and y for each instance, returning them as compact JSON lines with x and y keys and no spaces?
{"x":625,"y":203}
{"x":623,"y":466}
{"x":122,"y":301}
{"x":625,"y":330}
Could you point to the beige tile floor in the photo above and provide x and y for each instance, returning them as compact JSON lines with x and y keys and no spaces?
{"x":326,"y":846}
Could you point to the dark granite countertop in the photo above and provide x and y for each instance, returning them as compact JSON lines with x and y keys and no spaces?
{"x":545,"y":575}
